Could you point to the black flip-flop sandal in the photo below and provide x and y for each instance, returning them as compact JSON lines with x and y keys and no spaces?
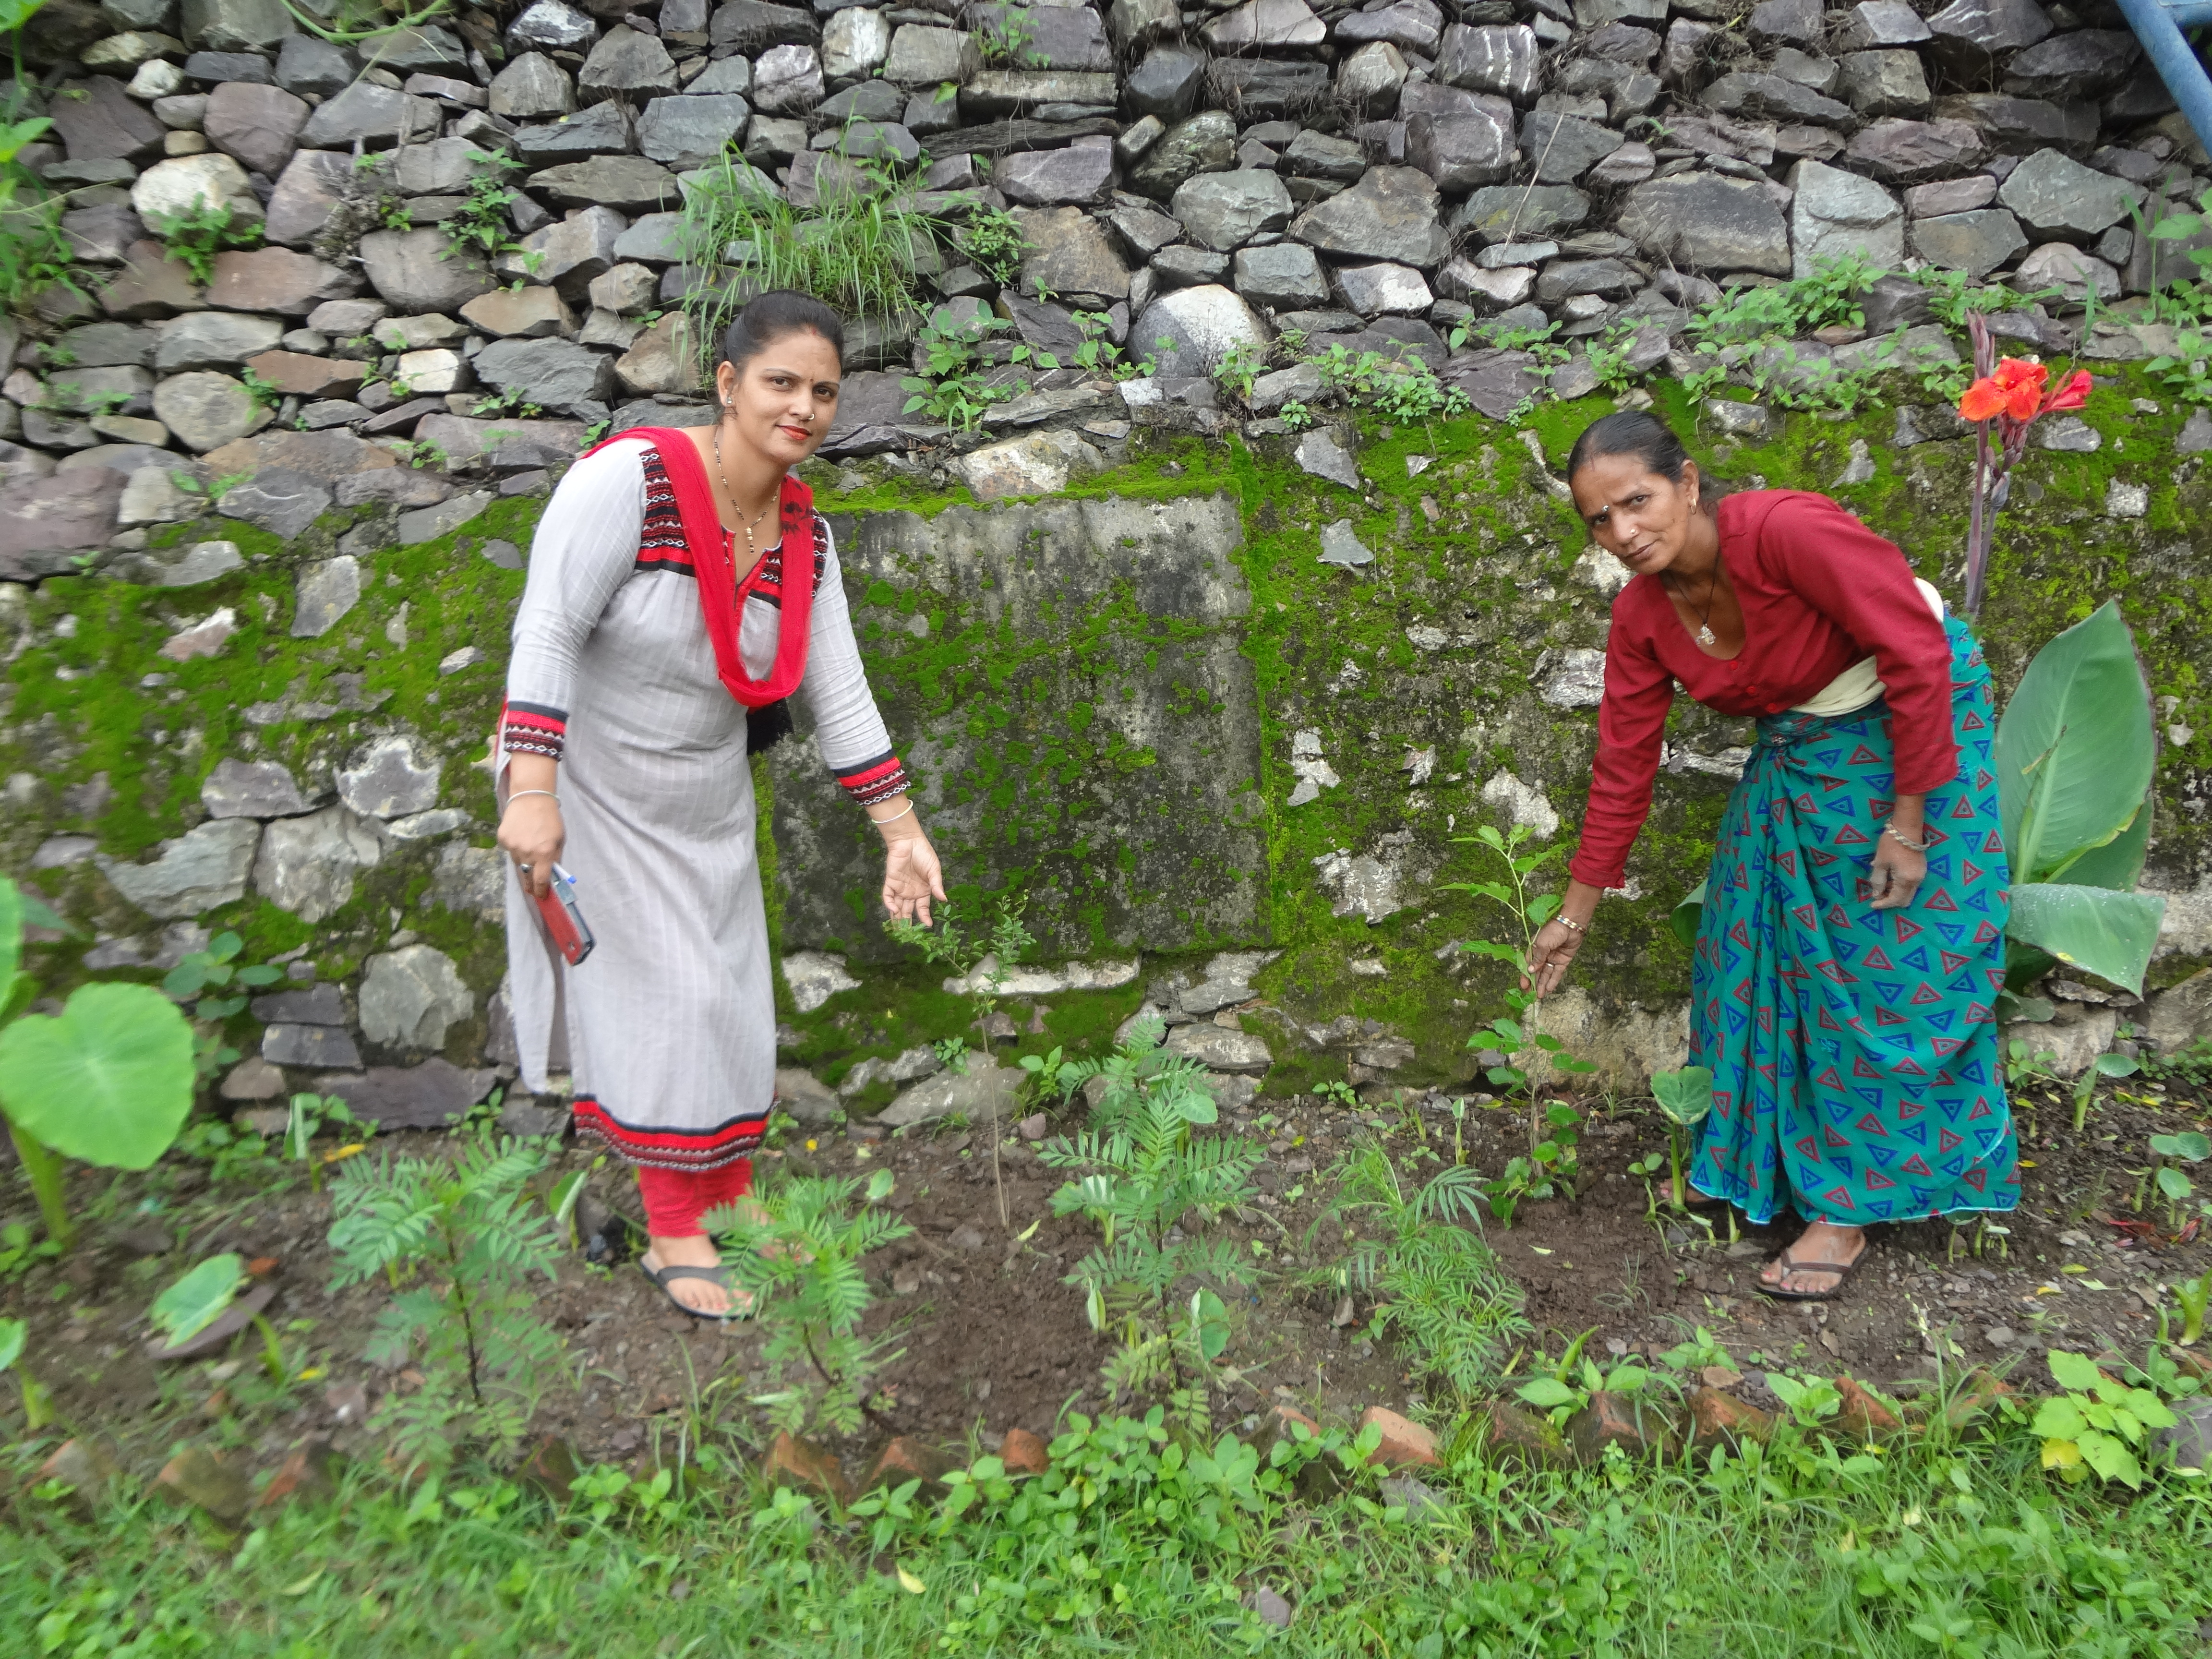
{"x":1790,"y":1265}
{"x":713,"y":1275}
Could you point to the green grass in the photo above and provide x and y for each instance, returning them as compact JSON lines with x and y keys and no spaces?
{"x":1132,"y":1546}
{"x":856,"y":250}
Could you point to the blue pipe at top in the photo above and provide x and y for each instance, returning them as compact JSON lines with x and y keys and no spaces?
{"x":2159,"y":28}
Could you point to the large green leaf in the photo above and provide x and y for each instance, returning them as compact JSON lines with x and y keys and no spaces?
{"x":2106,"y":933}
{"x":11,"y":930}
{"x":2119,"y":863}
{"x":12,"y":1333}
{"x":2074,"y":749}
{"x":1689,"y":910}
{"x":199,"y":1299}
{"x":1686,"y":1095}
{"x":108,"y":1081}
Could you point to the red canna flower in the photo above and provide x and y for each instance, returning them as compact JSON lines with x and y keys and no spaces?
{"x":2071,"y":392}
{"x":2016,"y":390}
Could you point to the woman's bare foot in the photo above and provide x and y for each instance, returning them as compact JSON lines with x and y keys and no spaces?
{"x":701,"y":1295}
{"x":1818,"y":1242}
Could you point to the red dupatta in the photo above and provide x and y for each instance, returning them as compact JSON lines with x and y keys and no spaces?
{"x":721,"y":595}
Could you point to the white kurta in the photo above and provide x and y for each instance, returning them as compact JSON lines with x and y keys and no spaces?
{"x":671,"y":1021}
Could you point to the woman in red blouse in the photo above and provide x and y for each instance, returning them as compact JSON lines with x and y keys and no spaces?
{"x":1852,"y":938}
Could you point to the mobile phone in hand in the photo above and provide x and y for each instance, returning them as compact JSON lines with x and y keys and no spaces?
{"x":564,"y":920}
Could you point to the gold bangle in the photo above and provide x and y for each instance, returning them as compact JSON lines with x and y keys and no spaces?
{"x":1570,"y":924}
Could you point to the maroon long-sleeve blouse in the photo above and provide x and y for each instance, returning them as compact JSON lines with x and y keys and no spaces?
{"x":1819,"y":591}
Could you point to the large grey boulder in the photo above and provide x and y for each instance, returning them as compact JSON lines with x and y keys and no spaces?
{"x":1201,"y":326}
{"x":1204,"y":143}
{"x":1220,"y":1049}
{"x":922,"y":55}
{"x":1167,"y":83}
{"x":256,"y":125}
{"x":691,"y":130}
{"x":1520,"y":213}
{"x":1709,"y":222}
{"x":1372,"y":80}
{"x":206,"y":410}
{"x":214,"y":339}
{"x":313,"y":183}
{"x":1563,"y":148}
{"x":602,"y":130}
{"x":1070,"y":253}
{"x":985,"y":1092}
{"x":410,"y":271}
{"x":255,"y":789}
{"x":1265,"y":25}
{"x":555,"y":373}
{"x":1225,"y":210}
{"x":371,"y":115}
{"x":411,"y":997}
{"x":279,"y":500}
{"x":570,"y":253}
{"x":551,"y":26}
{"x":97,"y":121}
{"x":1886,"y":83}
{"x":205,"y":867}
{"x":1970,"y":36}
{"x":194,"y":184}
{"x":326,"y":591}
{"x":1461,"y":152}
{"x":1282,"y":275}
{"x":390,"y":778}
{"x":1836,"y":213}
{"x":1080,"y":172}
{"x":1976,"y":243}
{"x":1903,"y":152}
{"x":307,"y":865}
{"x":531,"y":88}
{"x":628,"y":184}
{"x":787,"y":80}
{"x":626,"y":64}
{"x":2068,"y":68}
{"x":233,"y":25}
{"x":431,"y":1096}
{"x":276,"y":279}
{"x":2057,"y":196}
{"x":1412,"y":24}
{"x":1390,"y":213}
{"x":1491,"y":58}
{"x":308,"y":65}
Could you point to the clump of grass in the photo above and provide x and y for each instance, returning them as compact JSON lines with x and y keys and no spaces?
{"x":858,"y":251}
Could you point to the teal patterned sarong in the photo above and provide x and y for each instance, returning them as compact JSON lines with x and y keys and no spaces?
{"x":1854,"y":1051}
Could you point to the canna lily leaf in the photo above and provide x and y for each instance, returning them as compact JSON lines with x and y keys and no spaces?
{"x":1688,"y":911}
{"x":2110,"y":935}
{"x":2075,"y":748}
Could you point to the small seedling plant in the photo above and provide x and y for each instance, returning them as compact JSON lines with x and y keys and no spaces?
{"x":1422,"y":1253}
{"x":464,"y":1246}
{"x":2194,"y":1295}
{"x":796,"y":1249}
{"x":310,"y":1112}
{"x":983,"y":961}
{"x":204,"y":1296}
{"x":2098,"y":1424}
{"x":2170,"y":1181}
{"x":1554,"y":1128}
{"x":1686,"y":1099}
{"x":2085,"y":1086}
{"x":1140,"y":1175}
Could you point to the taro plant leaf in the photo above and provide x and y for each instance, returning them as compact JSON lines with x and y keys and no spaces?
{"x":1685,"y":1095}
{"x":108,"y":1081}
{"x":1209,"y":1322}
{"x":2189,"y":1147}
{"x":2074,"y":749}
{"x":2109,"y":934}
{"x":12,"y":1333}
{"x":1689,"y":910}
{"x":1546,"y":1392}
{"x":199,"y":1299}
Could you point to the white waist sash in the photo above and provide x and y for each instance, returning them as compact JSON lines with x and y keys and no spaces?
{"x":1859,"y":684}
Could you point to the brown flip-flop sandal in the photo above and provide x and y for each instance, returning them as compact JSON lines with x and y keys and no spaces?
{"x":713,"y":1275}
{"x":1791,"y":1265}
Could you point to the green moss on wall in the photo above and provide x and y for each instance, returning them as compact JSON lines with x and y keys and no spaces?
{"x":1416,"y":672}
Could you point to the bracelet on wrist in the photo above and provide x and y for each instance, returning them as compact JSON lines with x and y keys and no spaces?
{"x":519,"y":794}
{"x":1571,"y":924}
{"x":1897,"y":836}
{"x":902,"y":812}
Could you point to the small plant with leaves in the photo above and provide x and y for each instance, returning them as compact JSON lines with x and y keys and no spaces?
{"x":2098,"y":1426}
{"x":514,"y":401}
{"x":201,"y":975}
{"x":952,"y":388}
{"x":108,"y":1081}
{"x":483,"y":225}
{"x":1422,"y":1252}
{"x":2194,"y":1295}
{"x":1006,"y":37}
{"x":464,"y":1247}
{"x":1148,"y":1183}
{"x":310,"y":1112}
{"x":1240,"y":365}
{"x":1686,"y":1099}
{"x":993,"y":241}
{"x":197,"y":234}
{"x":982,"y":961}
{"x":204,"y":1296}
{"x":1294,"y":415}
{"x":2097,"y":1070}
{"x":1514,"y":1034}
{"x":1096,"y":354}
{"x":797,"y":1248}
{"x":2169,"y":1179}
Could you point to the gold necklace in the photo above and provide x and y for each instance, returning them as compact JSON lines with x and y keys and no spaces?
{"x":1705,"y":636}
{"x":773,"y":497}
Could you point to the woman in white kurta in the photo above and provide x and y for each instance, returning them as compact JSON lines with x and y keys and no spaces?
{"x":670,"y":609}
